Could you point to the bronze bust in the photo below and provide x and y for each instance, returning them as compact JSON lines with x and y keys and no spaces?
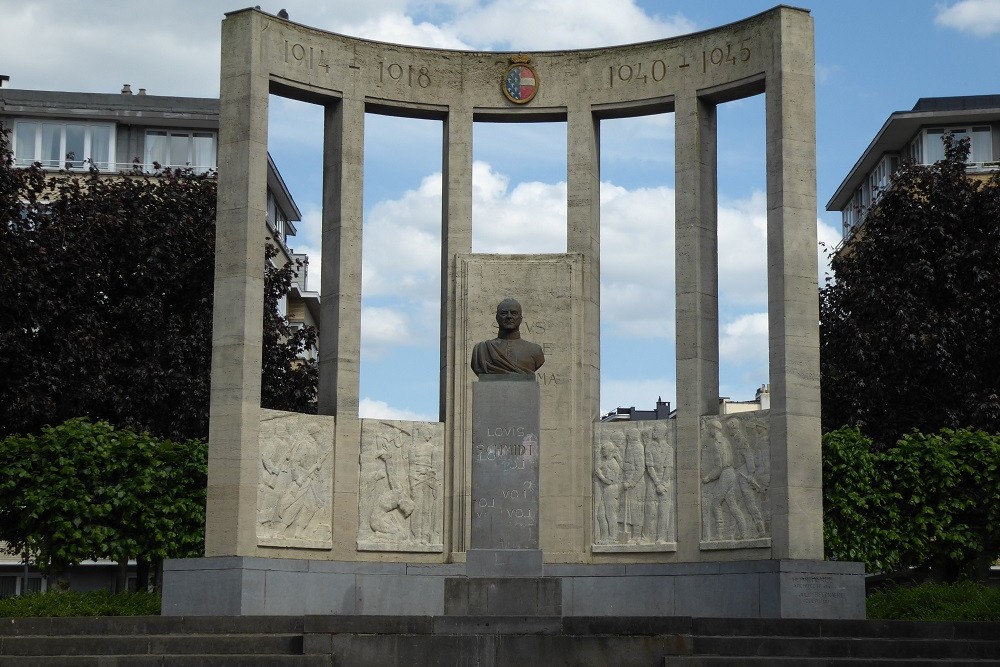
{"x":508,"y":353}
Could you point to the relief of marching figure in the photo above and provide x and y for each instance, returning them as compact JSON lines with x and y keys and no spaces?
{"x":735,"y":474}
{"x":295,"y":490}
{"x":401,"y":504}
{"x":634,"y":487}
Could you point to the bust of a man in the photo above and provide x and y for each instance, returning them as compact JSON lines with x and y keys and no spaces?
{"x":507,"y":353}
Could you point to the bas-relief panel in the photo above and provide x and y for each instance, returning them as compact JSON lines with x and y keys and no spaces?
{"x":401,"y":498}
{"x":735,"y":476}
{"x":635,"y":496}
{"x":295,"y":491}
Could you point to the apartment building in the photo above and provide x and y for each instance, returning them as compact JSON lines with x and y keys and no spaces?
{"x":917,"y":135}
{"x":113,"y":132}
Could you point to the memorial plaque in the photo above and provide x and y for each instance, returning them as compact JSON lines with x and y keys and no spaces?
{"x":505,"y":442}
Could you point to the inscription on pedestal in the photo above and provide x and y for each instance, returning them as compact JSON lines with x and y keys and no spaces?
{"x":505,"y":451}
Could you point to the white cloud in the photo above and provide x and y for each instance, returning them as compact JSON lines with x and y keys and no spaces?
{"x":167,"y":48}
{"x":382,"y":328}
{"x":562,"y":24}
{"x":824,"y":73}
{"x":398,"y":28}
{"x":743,"y":251}
{"x":829,"y":238}
{"x":402,"y":242}
{"x":744,"y":340}
{"x":979,"y":17}
{"x":637,"y":261}
{"x":369,"y":408}
{"x":529,"y":218}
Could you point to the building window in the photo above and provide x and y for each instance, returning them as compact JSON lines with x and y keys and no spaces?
{"x":981,"y":148}
{"x":8,"y":586}
{"x":177,"y":148}
{"x":59,"y":145}
{"x":928,"y":147}
{"x":276,"y":218}
{"x":13,"y":584}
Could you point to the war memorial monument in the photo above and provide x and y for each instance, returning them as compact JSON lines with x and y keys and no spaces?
{"x":518,"y":500}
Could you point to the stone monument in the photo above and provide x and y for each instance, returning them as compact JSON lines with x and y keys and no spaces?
{"x":700,"y":515}
{"x":505,"y":490}
{"x":505,"y":451}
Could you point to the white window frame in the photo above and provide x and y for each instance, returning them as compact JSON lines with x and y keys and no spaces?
{"x":922,"y":146}
{"x":80,"y":163}
{"x":180,"y":161}
{"x":277,"y":219}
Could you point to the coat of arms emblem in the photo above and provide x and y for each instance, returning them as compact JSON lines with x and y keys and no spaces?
{"x":520,"y":81}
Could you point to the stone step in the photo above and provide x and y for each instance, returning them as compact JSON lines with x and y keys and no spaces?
{"x":768,"y":661}
{"x":150,"y":625}
{"x":167,"y":661}
{"x":846,"y":647}
{"x":177,"y":644}
{"x":494,"y":641}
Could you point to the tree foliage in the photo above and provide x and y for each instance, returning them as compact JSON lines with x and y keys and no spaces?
{"x":106,"y":302}
{"x":861,"y":508}
{"x":291,"y":382}
{"x":930,"y":501}
{"x":910,"y":328}
{"x":84,"y":490}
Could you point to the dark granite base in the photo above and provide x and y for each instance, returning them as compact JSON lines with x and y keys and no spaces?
{"x":522,"y":596}
{"x":503,"y":563}
{"x":748,"y":589}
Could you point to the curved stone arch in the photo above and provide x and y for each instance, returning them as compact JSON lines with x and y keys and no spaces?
{"x":689,"y":75}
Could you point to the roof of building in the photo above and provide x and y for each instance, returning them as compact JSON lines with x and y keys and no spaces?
{"x":160,"y":109}
{"x":901,"y":126}
{"x":135,"y":109}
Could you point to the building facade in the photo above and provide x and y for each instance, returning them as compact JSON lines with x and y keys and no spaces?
{"x":727,"y":406}
{"x":917,"y":135}
{"x":74,"y":132}
{"x":117,"y":132}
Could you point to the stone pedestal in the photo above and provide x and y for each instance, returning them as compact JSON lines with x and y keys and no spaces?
{"x":521,"y":596}
{"x":505,"y":454}
{"x":504,"y":565}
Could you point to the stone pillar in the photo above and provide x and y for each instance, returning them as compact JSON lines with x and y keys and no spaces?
{"x":456,"y":239}
{"x":233,"y":459}
{"x":583,"y":211}
{"x":697,"y":307}
{"x":340,"y":299}
{"x":793,"y":305}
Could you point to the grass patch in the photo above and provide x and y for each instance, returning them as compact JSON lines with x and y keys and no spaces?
{"x":73,"y":603}
{"x":963,"y":601}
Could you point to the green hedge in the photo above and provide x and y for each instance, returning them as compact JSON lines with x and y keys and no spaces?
{"x":961,"y":601}
{"x":933,"y":501}
{"x":73,"y":603}
{"x":85,"y":490}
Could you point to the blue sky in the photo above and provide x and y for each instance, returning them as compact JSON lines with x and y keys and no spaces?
{"x":872,"y":58}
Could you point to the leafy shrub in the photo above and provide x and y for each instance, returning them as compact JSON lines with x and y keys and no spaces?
{"x":73,"y":603}
{"x":861,"y":509}
{"x":962,"y":601}
{"x":930,"y":501}
{"x":85,"y":490}
{"x":949,"y":484}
